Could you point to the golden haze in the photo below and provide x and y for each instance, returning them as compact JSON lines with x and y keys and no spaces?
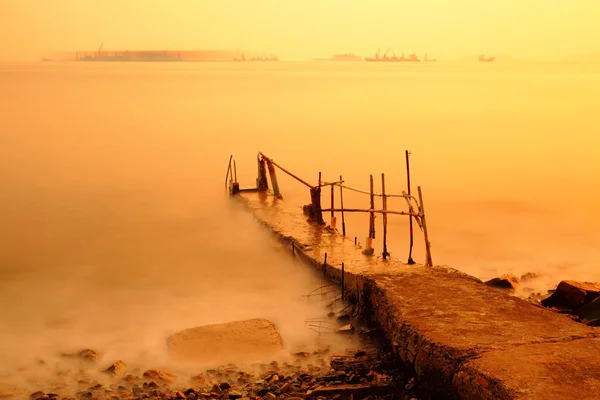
{"x":302,"y":29}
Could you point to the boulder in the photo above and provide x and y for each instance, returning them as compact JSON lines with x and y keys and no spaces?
{"x":572,"y":295}
{"x":232,"y":341}
{"x":507,"y":282}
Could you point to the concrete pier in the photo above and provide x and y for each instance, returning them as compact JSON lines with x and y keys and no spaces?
{"x":463,"y":339}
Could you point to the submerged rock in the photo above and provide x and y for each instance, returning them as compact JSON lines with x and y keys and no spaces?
{"x":530,"y":276}
{"x":217,"y":343}
{"x":84,"y":355}
{"x":156,"y":374}
{"x":572,"y":295}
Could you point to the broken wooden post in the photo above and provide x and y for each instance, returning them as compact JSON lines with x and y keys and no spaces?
{"x":274,"y":183}
{"x":315,"y":201}
{"x":410,"y":218}
{"x":385,"y":253}
{"x":342,"y":207}
{"x":427,"y":244}
{"x":261,"y":180}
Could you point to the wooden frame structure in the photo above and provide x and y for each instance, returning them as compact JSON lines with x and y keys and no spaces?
{"x":415,"y":211}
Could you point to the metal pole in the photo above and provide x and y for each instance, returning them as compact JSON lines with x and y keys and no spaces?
{"x":410,"y":218}
{"x":427,"y":244}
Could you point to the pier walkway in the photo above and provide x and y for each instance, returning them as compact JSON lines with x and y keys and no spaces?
{"x":463,"y":339}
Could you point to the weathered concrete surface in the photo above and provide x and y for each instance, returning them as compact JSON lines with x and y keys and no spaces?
{"x":463,"y":339}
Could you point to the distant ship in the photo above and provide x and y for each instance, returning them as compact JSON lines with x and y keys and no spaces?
{"x":341,"y":57}
{"x":483,"y":58}
{"x":411,"y":58}
{"x":429,"y":59}
{"x":244,"y":59}
{"x":136,"y":56}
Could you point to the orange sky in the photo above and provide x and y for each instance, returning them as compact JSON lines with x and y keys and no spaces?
{"x":301,"y":29}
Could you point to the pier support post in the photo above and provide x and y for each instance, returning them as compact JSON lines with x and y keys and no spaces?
{"x":273,"y":176}
{"x":342,"y":207}
{"x":427,"y":244}
{"x":261,"y":182}
{"x":385,"y":253}
{"x":410,"y":218}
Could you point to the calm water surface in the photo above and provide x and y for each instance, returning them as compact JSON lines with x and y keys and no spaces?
{"x":114,"y":226}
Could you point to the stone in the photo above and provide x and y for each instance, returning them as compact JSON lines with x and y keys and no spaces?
{"x":118,"y":368}
{"x":590,"y":312}
{"x":348,"y":328}
{"x":234,"y":395}
{"x":507,"y":282}
{"x":225,"y":342}
{"x":225,"y":385}
{"x":155,"y":374}
{"x":269,"y":396}
{"x":572,"y":295}
{"x":129,"y":378}
{"x":36,"y":395}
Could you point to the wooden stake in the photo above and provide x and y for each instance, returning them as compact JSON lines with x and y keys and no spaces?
{"x":342,"y":206}
{"x":427,"y":244}
{"x":410,"y":219}
{"x":384,"y":207}
{"x":372,"y":216}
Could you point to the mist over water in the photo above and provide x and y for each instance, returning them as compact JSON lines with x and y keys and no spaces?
{"x":115,"y":230}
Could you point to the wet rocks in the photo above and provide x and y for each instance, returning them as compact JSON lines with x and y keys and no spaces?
{"x":505,"y":282}
{"x":572,"y":295}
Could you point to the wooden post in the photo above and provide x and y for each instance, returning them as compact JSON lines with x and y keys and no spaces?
{"x":332,"y":222}
{"x":372,"y":214}
{"x":343,"y":273}
{"x":274,"y":183}
{"x":427,"y":244}
{"x":342,"y":207}
{"x":315,"y":200}
{"x":410,"y":218}
{"x":261,"y":182}
{"x":325,"y":265}
{"x":384,"y":207}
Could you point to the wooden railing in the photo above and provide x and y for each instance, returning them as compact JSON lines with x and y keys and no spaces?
{"x":415,"y":209}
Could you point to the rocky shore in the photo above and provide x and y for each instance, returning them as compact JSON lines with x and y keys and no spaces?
{"x":368,"y":372}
